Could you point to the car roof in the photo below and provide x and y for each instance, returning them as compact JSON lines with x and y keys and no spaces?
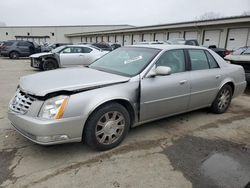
{"x":167,"y":46}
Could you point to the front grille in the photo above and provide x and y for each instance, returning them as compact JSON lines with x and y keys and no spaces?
{"x":21,"y":102}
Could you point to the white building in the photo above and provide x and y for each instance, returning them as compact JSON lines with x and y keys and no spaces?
{"x":51,"y":34}
{"x":230,"y":33}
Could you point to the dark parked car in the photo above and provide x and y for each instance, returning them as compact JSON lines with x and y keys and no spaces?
{"x":50,"y":47}
{"x":221,"y":51}
{"x":103,"y":46}
{"x":19,"y":48}
{"x":1,"y":44}
{"x":114,"y":45}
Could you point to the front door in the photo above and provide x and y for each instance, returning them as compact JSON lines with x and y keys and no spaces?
{"x":166,"y":95}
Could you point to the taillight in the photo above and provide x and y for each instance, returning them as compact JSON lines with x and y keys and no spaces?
{"x":227,"y":52}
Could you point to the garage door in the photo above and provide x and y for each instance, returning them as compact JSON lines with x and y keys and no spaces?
{"x":119,"y":39}
{"x":191,"y":35}
{"x":159,"y":36}
{"x":212,"y":37}
{"x":99,"y":39}
{"x":84,"y":39}
{"x":174,"y":35}
{"x":112,"y":38}
{"x":136,"y":38}
{"x":105,"y":38}
{"x":237,"y":38}
{"x":127,"y":40}
{"x":146,"y":37}
{"x":93,"y":39}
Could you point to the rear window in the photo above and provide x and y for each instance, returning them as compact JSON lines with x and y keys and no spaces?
{"x":9,"y":43}
{"x":198,"y":60}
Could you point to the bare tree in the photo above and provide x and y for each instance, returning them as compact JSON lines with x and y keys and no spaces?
{"x":246,"y":13}
{"x":209,"y":16}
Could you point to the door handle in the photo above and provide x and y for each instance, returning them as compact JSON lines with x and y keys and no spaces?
{"x":217,"y":76}
{"x":183,"y":82}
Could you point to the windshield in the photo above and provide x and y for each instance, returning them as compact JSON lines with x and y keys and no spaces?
{"x":127,"y":61}
{"x":58,"y":49}
{"x":239,"y":51}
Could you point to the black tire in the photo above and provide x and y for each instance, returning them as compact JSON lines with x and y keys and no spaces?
{"x":49,"y":64}
{"x":14,"y":55}
{"x":222,"y":100}
{"x":98,"y":123}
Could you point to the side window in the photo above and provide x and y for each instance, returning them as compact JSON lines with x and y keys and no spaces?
{"x":23,"y":44}
{"x":198,"y":60}
{"x":77,"y":50}
{"x":66,"y":50}
{"x":86,"y":50}
{"x":247,"y":51}
{"x":174,"y":59}
{"x":213,"y":64}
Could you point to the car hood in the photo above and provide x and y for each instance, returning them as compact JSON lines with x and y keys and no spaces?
{"x":41,"y":54}
{"x":68,"y":79}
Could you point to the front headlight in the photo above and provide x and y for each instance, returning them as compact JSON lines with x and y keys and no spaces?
{"x":54,"y":108}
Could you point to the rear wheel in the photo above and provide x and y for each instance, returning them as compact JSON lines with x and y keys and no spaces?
{"x":14,"y":55}
{"x":49,"y":64}
{"x":107,"y":126}
{"x":223,"y":100}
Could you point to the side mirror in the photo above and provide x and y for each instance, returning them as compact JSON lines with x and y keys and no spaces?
{"x":159,"y":71}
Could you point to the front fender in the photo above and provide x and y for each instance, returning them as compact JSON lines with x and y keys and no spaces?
{"x":83,"y":104}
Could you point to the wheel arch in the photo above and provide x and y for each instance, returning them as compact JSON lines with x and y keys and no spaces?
{"x":14,"y":51}
{"x":228,"y":82}
{"x":124,"y":102}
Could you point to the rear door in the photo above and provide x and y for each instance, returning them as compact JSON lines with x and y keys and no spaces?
{"x":206,"y":77}
{"x":24,"y":48}
{"x":165,"y":95}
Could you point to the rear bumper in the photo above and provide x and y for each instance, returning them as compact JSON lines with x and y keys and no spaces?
{"x":48,"y":132}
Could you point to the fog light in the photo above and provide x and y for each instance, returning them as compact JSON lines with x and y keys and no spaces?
{"x":46,"y":139}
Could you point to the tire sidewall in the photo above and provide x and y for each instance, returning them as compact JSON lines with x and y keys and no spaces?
{"x":12,"y":55}
{"x":215,"y":107}
{"x":47,"y":62}
{"x":89,"y":133}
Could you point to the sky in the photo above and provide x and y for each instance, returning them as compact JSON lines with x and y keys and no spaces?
{"x":132,"y":12}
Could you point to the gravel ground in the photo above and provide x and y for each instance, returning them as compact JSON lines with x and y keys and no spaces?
{"x":196,"y":149}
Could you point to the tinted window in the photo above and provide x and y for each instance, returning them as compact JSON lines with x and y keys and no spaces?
{"x":72,"y":50}
{"x":21,"y":43}
{"x":198,"y":60}
{"x":174,"y":59}
{"x":86,"y":50}
{"x":8,"y":43}
{"x":211,"y":60}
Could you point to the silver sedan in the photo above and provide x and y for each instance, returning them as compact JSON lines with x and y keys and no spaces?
{"x":66,"y":56}
{"x":123,"y":89}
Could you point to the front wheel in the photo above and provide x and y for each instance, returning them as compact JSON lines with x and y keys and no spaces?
{"x":49,"y":64}
{"x":14,"y":55}
{"x":222,"y":100}
{"x":107,"y":126}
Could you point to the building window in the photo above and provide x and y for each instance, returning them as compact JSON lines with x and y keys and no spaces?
{"x":53,"y":34}
{"x":28,"y":34}
{"x":7,"y":33}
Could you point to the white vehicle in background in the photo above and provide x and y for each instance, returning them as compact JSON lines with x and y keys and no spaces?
{"x":66,"y":56}
{"x":241,"y":57}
